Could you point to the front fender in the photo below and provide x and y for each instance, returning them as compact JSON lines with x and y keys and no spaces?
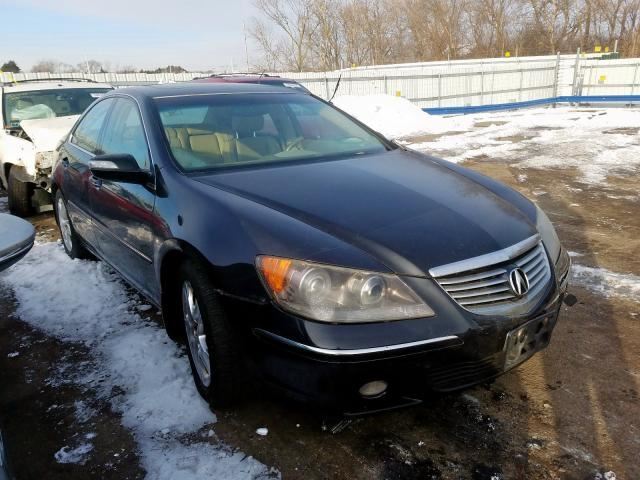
{"x":229,"y":231}
{"x":20,"y":152}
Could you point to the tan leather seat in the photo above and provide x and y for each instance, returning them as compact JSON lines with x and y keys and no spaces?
{"x":178,"y":137}
{"x":195,"y":140}
{"x":227,"y":144}
{"x":250,"y":144}
{"x":203,"y":141}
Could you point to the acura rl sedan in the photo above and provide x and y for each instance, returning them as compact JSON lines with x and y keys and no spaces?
{"x":285,"y":241}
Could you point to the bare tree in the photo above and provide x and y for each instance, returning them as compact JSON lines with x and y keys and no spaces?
{"x":327,"y":34}
{"x":438,"y":27}
{"x":294,"y":19}
{"x":46,"y":66}
{"x":492,"y":26}
{"x":556,"y":20}
{"x":326,"y":44}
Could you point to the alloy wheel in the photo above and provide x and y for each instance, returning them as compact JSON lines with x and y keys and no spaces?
{"x":196,"y":336}
{"x":65,"y":224}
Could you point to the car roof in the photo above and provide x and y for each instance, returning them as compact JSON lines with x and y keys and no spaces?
{"x":206,"y":88}
{"x":53,"y":85}
{"x":245,"y":78}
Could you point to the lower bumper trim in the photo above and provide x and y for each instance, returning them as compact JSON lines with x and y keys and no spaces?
{"x":451,"y":339}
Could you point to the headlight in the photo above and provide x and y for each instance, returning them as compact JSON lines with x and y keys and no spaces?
{"x":548,"y":234}
{"x":338,"y":295}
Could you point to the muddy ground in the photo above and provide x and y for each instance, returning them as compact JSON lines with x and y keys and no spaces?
{"x":571,"y":412}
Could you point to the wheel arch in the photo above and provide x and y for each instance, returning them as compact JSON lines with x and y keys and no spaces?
{"x":171,"y":255}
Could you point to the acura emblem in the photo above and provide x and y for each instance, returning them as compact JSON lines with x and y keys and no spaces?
{"x":518,"y":282}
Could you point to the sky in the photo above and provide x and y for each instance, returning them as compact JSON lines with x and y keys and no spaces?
{"x":197,"y":34}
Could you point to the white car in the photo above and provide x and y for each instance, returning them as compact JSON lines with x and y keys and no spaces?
{"x":36,"y":115}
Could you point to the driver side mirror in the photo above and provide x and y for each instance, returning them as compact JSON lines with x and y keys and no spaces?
{"x":119,"y":167}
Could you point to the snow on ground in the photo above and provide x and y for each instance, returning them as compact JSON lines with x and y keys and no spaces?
{"x":83,"y":301}
{"x":397,"y":117}
{"x":597,"y":142}
{"x":606,"y":282}
{"x":73,"y":455}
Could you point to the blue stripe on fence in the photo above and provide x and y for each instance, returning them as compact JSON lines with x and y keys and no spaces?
{"x":533,"y":103}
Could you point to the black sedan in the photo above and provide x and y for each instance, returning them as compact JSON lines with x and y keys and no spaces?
{"x":284,"y":239}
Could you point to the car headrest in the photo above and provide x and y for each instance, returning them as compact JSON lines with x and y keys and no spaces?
{"x":246,"y":125}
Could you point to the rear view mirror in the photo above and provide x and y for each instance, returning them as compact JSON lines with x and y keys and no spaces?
{"x":120,"y":167}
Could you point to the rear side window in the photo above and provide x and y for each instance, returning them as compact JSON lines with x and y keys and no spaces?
{"x":87,"y":133}
{"x":124,"y":133}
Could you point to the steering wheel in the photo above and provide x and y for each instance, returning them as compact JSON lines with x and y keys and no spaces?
{"x":295,"y":143}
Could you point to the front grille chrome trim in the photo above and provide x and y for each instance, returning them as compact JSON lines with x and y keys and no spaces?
{"x":486,"y":260}
{"x":484,"y":288}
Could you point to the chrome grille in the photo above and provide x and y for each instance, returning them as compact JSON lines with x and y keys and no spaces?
{"x":481,"y":284}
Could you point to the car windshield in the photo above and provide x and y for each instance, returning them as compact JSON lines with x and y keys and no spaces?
{"x":38,"y":104}
{"x":208,"y":132}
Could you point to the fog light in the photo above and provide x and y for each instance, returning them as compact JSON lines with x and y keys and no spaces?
{"x":373,"y":389}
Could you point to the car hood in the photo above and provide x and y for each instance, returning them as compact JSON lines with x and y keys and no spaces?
{"x":45,"y":133}
{"x":404,"y":208}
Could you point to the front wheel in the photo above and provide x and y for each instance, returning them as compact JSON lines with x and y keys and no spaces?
{"x":70,"y":240}
{"x":212,"y":344}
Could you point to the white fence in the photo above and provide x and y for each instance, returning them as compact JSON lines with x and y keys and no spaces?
{"x":443,"y":84}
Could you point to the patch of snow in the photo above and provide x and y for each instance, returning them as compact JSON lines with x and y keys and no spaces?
{"x":397,"y":117}
{"x":83,"y":412}
{"x":606,"y":282}
{"x":83,"y":301}
{"x":607,"y":476}
{"x":76,"y":455}
{"x":546,"y":138}
{"x":13,"y":354}
{"x":263,"y":432}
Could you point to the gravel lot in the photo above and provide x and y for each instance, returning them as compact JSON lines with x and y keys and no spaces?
{"x":572,"y":412}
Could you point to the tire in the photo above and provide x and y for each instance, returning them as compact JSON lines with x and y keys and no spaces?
{"x":70,"y":239}
{"x":220,"y":382}
{"x":19,"y":195}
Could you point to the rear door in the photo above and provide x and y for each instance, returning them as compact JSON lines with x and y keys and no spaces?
{"x":124,"y":212}
{"x":83,"y":144}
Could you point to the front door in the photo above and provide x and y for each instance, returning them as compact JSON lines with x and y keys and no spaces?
{"x":75,"y":156}
{"x":124,"y":212}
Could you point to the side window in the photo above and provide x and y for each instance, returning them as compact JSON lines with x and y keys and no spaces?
{"x":124,"y":133}
{"x":87,"y":134}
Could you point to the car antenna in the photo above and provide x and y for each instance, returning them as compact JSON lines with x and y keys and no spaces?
{"x":336,"y":89}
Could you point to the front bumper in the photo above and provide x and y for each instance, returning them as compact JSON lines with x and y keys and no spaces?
{"x":332,"y":378}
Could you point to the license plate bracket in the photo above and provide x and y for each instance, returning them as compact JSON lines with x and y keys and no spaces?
{"x":531,"y":337}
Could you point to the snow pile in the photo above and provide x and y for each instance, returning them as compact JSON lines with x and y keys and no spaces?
{"x":76,"y":455}
{"x":606,"y":282}
{"x":397,"y":117}
{"x":83,"y":301}
{"x":598,"y":143}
